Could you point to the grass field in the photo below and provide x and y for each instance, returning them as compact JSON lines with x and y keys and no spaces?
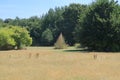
{"x":45,"y":63}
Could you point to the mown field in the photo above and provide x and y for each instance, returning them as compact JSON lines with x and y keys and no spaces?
{"x":45,"y":63}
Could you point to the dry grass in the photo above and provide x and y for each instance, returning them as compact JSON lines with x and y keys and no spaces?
{"x":48,"y":64}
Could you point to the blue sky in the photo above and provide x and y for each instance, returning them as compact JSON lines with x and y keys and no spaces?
{"x":28,"y":8}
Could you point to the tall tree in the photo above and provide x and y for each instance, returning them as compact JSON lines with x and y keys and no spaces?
{"x":101,"y":26}
{"x":47,"y":37}
{"x":54,"y":21}
{"x":71,"y":16}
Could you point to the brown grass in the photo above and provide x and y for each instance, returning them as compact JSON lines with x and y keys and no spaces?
{"x":49,"y":64}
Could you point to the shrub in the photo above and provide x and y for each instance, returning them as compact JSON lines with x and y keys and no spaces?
{"x":77,"y":45}
{"x":6,"y":39}
{"x":22,"y":37}
{"x":11,"y":37}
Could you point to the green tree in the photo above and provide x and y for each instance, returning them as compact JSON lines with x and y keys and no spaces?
{"x":21,"y":37}
{"x":101,"y":26}
{"x":6,"y":39}
{"x":35,"y":29}
{"x":47,"y":37}
{"x":76,"y":32}
{"x":13,"y":36}
{"x":54,"y":21}
{"x":71,"y":16}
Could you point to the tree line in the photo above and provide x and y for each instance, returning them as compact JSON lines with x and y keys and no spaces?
{"x":45,"y":29}
{"x":95,"y":26}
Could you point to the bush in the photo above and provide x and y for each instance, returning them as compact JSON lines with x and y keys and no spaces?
{"x":21,"y":37}
{"x":11,"y":37}
{"x":77,"y":45}
{"x":6,"y":39}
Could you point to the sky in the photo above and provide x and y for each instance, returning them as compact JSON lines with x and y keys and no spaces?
{"x":28,"y":8}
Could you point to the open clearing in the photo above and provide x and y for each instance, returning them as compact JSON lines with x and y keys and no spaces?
{"x":48,"y":64}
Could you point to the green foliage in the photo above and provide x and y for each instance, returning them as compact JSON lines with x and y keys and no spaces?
{"x":47,"y":37}
{"x":6,"y":39}
{"x":101,"y":26}
{"x":77,"y":45}
{"x":22,"y":37}
{"x":54,"y":21}
{"x":60,"y":19}
{"x":13,"y":36}
{"x":71,"y":16}
{"x":78,"y":27}
{"x":33,"y":25}
{"x":95,"y":26}
{"x":2,"y":24}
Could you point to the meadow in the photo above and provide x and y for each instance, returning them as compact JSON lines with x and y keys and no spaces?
{"x":46,"y":63}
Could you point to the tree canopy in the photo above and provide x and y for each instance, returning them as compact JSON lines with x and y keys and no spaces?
{"x":13,"y":36}
{"x":47,"y":37}
{"x":60,"y":19}
{"x":101,"y":26}
{"x":96,"y":26}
